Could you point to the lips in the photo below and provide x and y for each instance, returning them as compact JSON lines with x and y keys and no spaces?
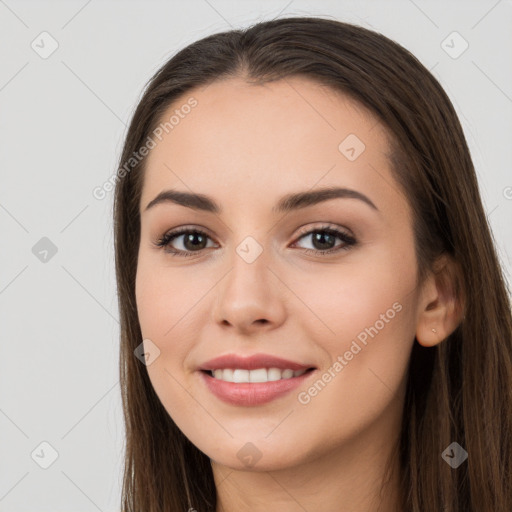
{"x":214,"y":372}
{"x":234,"y":361}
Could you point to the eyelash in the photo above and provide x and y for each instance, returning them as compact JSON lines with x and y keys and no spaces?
{"x":348,"y":240}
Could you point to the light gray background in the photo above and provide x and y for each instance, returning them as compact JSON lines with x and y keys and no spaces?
{"x":62,"y":122}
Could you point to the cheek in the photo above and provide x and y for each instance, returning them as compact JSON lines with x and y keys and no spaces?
{"x":170,"y":305}
{"x":366,"y":360}
{"x":162,"y":313}
{"x":347,"y":301}
{"x":364,"y":319}
{"x":157,"y":307}
{"x":162,"y":299}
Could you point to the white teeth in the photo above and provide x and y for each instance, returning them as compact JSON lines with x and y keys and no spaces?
{"x":260,"y":375}
{"x":226,"y":375}
{"x":241,"y":376}
{"x":273,"y":374}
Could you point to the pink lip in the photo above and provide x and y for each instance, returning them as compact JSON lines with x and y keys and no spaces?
{"x":251,"y":393}
{"x":252,"y":363}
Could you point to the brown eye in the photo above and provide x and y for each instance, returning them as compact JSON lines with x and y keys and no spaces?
{"x":324,"y":240}
{"x":190,"y":240}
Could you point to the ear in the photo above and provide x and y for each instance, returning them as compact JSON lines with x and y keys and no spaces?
{"x":440,"y":308}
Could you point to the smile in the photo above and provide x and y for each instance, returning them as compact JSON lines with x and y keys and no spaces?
{"x":248,"y":393}
{"x":239,"y":375}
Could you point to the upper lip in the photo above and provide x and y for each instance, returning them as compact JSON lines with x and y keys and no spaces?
{"x":252,"y":363}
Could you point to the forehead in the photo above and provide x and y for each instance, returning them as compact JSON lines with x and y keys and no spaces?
{"x":244,"y":141}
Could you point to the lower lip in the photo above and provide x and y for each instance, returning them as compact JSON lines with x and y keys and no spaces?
{"x":252,"y":393}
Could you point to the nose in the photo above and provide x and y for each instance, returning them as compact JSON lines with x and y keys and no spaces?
{"x":250,"y":298}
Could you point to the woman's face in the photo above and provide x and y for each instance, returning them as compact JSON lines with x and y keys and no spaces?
{"x":255,"y":282}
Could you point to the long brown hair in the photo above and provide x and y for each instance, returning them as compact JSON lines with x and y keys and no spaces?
{"x":457,"y":391}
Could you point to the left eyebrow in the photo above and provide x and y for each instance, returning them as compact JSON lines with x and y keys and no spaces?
{"x":287,"y":203}
{"x":304,"y":199}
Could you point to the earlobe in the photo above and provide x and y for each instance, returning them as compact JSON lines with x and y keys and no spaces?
{"x":440,"y":307}
{"x":431,"y":336}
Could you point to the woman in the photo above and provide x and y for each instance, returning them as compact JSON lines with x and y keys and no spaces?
{"x":369,"y":369}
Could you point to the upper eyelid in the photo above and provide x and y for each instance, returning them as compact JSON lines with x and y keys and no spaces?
{"x":326,"y":226}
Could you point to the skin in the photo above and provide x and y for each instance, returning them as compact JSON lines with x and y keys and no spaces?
{"x":246,"y":146}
